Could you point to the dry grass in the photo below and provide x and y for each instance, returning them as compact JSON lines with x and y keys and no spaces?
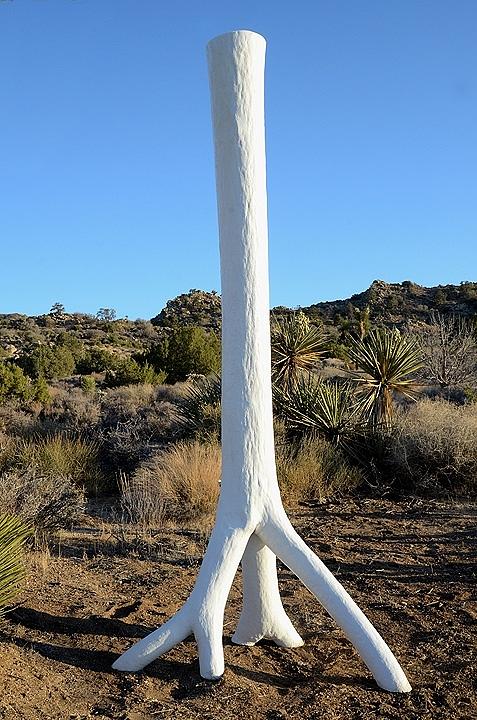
{"x":435,"y":446}
{"x":184,"y":480}
{"x":314,"y":470}
{"x":60,"y":455}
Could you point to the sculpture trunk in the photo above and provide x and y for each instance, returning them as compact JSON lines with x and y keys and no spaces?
{"x":251,"y":521}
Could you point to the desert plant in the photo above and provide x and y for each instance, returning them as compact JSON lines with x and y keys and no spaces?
{"x":386,"y":362}
{"x":186,"y":351}
{"x":185,"y":479}
{"x":449,"y":351}
{"x":60,"y":455}
{"x":130,"y":372}
{"x":44,"y":503}
{"x":198,"y":412}
{"x":296,"y":347}
{"x":329,"y":408}
{"x":434,"y":447}
{"x":314,"y":469}
{"x":13,"y":534}
{"x":14,"y":384}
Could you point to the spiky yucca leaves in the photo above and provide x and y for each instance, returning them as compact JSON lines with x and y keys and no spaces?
{"x":296,"y":347}
{"x":328,"y":408}
{"x":13,"y":534}
{"x":386,"y":362}
{"x":198,"y":412}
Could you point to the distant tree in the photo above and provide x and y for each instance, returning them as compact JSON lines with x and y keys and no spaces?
{"x":449,"y":351}
{"x":440,"y":297}
{"x":57,"y":309}
{"x":51,"y":363}
{"x":106,"y":314}
{"x":188,"y":350}
{"x":130,"y":372}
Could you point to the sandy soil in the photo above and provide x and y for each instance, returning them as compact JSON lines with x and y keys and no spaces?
{"x":411,"y":567}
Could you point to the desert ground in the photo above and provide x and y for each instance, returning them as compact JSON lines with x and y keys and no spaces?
{"x":410,"y":565}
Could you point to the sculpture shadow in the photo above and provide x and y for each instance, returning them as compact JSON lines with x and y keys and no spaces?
{"x":66,"y":625}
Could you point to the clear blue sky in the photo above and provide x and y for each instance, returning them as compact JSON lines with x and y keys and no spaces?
{"x":107,"y":191}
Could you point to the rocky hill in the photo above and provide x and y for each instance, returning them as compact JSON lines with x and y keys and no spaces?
{"x":390,"y":304}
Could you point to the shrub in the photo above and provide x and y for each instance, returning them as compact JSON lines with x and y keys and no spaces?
{"x":13,"y":534}
{"x":184,"y":479}
{"x":434,"y":447}
{"x":45,"y":503}
{"x":88,"y":384}
{"x":71,"y":409}
{"x":96,"y":360}
{"x":187,"y":351}
{"x":49,"y":362}
{"x":314,"y":470}
{"x":130,"y":372}
{"x":63,"y":456}
{"x":14,"y":384}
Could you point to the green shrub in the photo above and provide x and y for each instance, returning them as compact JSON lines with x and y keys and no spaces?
{"x":14,"y":384}
{"x":130,"y":372}
{"x":52,"y":363}
{"x":13,"y":534}
{"x":198,"y":412}
{"x":187,"y":351}
{"x":96,"y":360}
{"x":88,"y":384}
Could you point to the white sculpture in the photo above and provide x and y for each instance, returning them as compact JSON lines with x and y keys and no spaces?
{"x":250,"y":520}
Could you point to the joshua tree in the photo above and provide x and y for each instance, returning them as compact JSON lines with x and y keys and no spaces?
{"x":250,"y":522}
{"x":386,"y":362}
{"x":296,"y":346}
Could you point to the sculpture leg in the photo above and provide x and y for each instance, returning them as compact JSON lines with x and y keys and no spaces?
{"x":203,"y":613}
{"x":263,"y":615}
{"x":285,"y":542}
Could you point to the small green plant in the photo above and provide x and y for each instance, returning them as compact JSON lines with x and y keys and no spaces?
{"x":130,"y":372}
{"x":88,"y":384}
{"x":13,"y":534}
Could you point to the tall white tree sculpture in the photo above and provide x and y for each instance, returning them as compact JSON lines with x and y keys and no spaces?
{"x":250,"y":521}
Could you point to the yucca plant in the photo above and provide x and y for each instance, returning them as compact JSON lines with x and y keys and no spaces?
{"x":13,"y":534}
{"x":198,"y":411}
{"x":296,"y":347}
{"x":329,"y":408}
{"x":386,"y":362}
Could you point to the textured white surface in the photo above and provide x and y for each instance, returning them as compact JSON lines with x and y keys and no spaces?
{"x":251,"y":521}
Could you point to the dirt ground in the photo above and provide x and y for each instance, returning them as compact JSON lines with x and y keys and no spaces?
{"x":411,"y":566}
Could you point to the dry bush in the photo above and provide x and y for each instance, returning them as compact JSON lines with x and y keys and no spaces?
{"x":141,"y":500}
{"x":17,"y":422}
{"x":60,"y":455}
{"x":126,"y":402}
{"x":44,"y":502}
{"x":434,"y":446}
{"x":71,"y":409}
{"x":185,"y":479}
{"x":314,"y":470}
